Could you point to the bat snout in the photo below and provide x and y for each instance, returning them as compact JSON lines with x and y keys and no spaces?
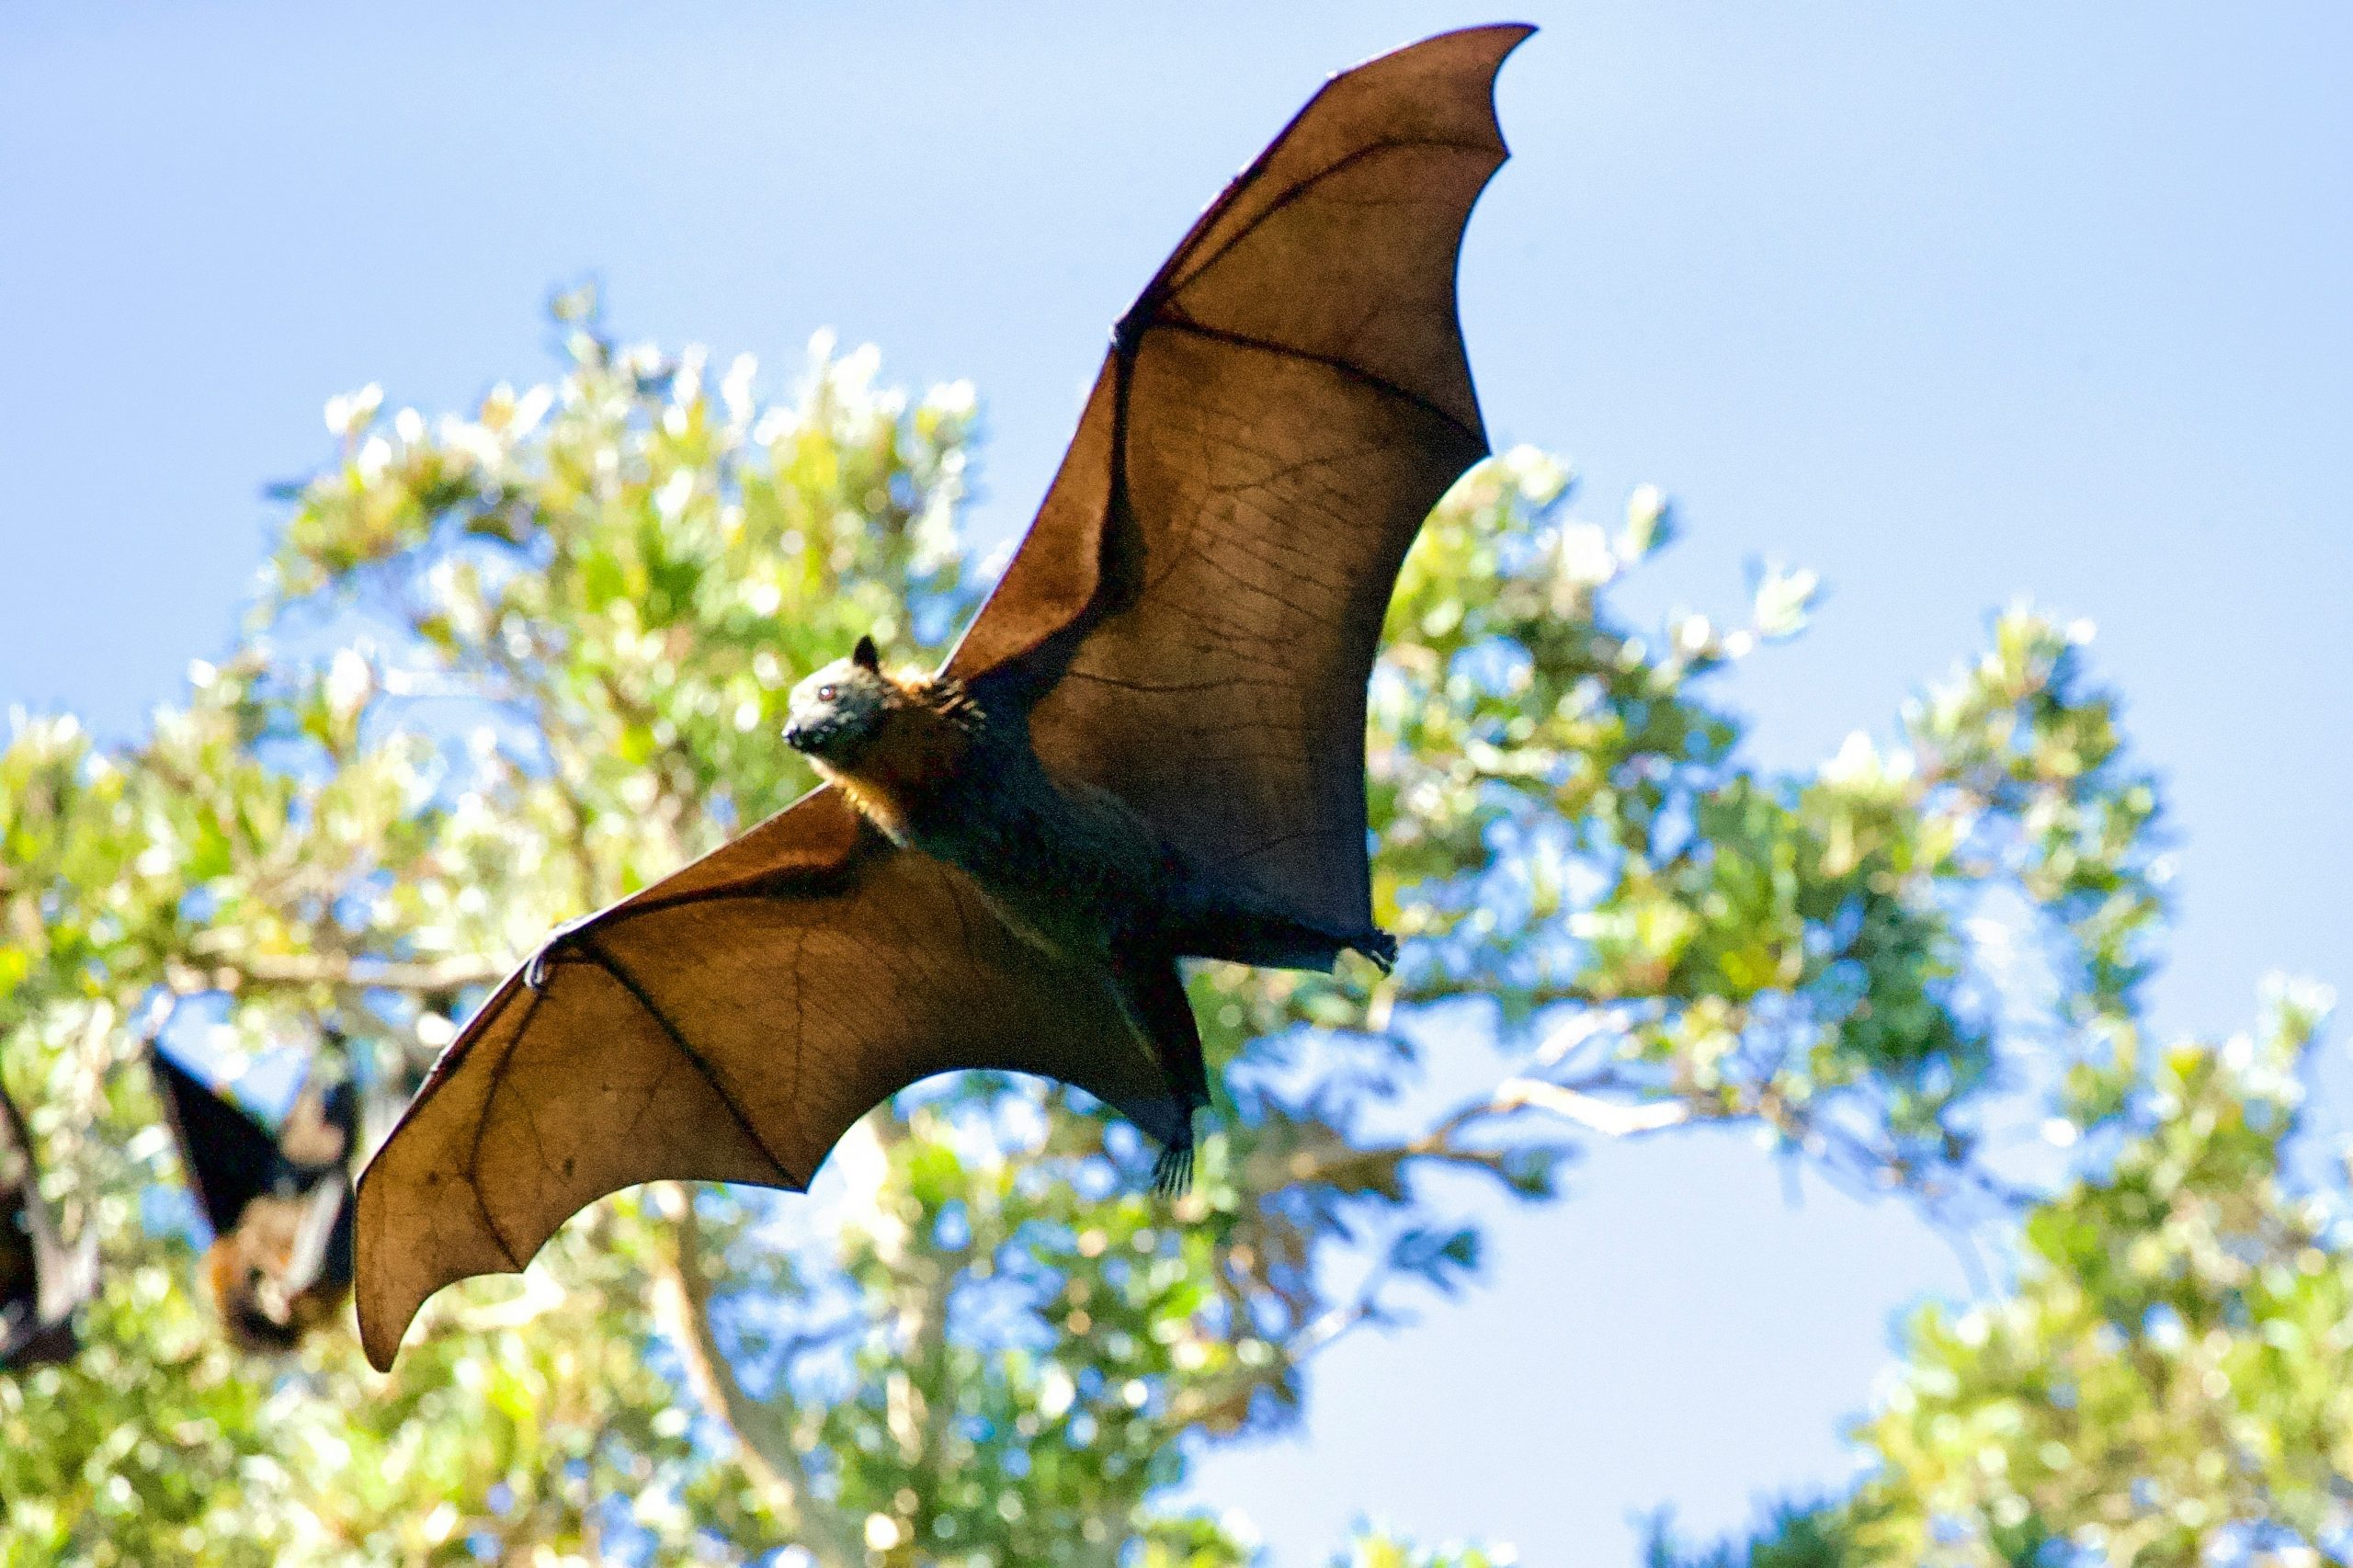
{"x":825,"y":737}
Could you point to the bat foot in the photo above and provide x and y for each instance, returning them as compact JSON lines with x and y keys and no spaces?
{"x":1172,"y":1173}
{"x":1240,"y":929}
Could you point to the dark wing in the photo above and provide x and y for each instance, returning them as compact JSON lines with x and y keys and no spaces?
{"x":1195,"y":611}
{"x":231,"y":1159}
{"x":21,"y":1219}
{"x":322,"y":1131}
{"x":727,"y":1024}
{"x":42,"y":1281}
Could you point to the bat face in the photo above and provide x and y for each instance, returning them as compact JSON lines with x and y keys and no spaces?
{"x":837,"y":713}
{"x":268,"y":1294}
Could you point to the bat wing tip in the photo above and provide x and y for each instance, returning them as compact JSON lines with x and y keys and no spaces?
{"x":384,"y":1319}
{"x":392,"y":1279}
{"x":1504,"y":36}
{"x":380,"y":1355}
{"x":1500,"y":38}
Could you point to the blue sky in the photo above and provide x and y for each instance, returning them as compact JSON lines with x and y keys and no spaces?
{"x":1951,"y":303}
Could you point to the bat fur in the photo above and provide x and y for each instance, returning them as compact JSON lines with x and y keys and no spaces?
{"x":1070,"y":869}
{"x":247,"y":1272}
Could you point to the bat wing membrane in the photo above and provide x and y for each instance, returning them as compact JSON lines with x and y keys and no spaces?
{"x":319,"y":1144}
{"x":727,"y":1024}
{"x":231,"y":1159}
{"x":1196,"y":609}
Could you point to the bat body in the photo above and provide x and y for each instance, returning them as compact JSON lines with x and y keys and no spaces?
{"x":1070,"y":869}
{"x":41,"y":1280}
{"x":282,"y":1259}
{"x":1149,"y":744}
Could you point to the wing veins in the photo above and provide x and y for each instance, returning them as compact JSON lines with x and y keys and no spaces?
{"x":1299,"y":188}
{"x":481,"y":1131}
{"x":612,"y":966}
{"x":1373,"y":380}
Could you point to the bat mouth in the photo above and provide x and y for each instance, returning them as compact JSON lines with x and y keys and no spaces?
{"x":826,"y":738}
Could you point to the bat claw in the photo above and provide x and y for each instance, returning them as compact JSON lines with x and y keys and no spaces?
{"x":1379,"y":947}
{"x":1172,"y":1173}
{"x":1128,"y":331}
{"x":535,"y":973}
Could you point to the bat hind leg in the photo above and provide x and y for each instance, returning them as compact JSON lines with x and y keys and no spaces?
{"x":1219,"y":924}
{"x":1152,"y":994}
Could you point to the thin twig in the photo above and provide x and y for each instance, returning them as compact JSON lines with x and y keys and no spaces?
{"x":763,"y":1429}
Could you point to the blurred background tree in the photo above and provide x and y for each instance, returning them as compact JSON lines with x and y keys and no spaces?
{"x":513,"y":664}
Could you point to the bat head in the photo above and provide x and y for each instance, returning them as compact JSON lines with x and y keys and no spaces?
{"x":837,"y":710}
{"x":246,"y":1289}
{"x":268,"y":1294}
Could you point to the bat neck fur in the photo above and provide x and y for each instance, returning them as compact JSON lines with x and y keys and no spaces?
{"x":929,"y":728}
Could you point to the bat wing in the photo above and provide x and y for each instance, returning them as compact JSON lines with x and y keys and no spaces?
{"x":1195,"y":611}
{"x":727,"y":1024}
{"x":321,"y":1258}
{"x":41,"y":1280}
{"x":321,"y":1132}
{"x":1190,"y":624}
{"x":231,"y":1159}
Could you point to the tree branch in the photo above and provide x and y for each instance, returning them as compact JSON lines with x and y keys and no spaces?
{"x":763,"y":1438}
{"x":1613,"y":1118}
{"x":346,"y":969}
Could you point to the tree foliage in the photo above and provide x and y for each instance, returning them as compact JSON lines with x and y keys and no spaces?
{"x":513,"y":664}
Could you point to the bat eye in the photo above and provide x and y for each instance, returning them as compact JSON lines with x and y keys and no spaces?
{"x":826,"y":693}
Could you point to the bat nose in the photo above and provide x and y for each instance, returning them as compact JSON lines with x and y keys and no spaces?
{"x":796,"y":736}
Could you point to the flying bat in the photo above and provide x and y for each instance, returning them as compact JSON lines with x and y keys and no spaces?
{"x":1148,"y":745}
{"x":41,"y":1280}
{"x":280,"y":1205}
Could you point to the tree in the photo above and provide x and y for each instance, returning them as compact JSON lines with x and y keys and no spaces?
{"x":514,"y":663}
{"x":2168,"y":1379}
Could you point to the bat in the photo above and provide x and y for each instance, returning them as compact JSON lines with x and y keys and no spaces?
{"x":280,"y":1206}
{"x":41,"y":1280}
{"x":1149,"y":744}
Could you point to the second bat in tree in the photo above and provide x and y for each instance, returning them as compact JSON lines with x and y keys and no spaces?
{"x":280,"y":1204}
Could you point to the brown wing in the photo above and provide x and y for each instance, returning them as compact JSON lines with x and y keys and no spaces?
{"x":727,"y":1024}
{"x":1195,"y":608}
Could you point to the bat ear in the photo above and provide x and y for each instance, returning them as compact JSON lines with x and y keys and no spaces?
{"x":865,"y":657}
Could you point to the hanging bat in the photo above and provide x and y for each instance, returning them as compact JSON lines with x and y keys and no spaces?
{"x":1148,"y":745}
{"x":41,"y":1280}
{"x":280,"y":1263}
